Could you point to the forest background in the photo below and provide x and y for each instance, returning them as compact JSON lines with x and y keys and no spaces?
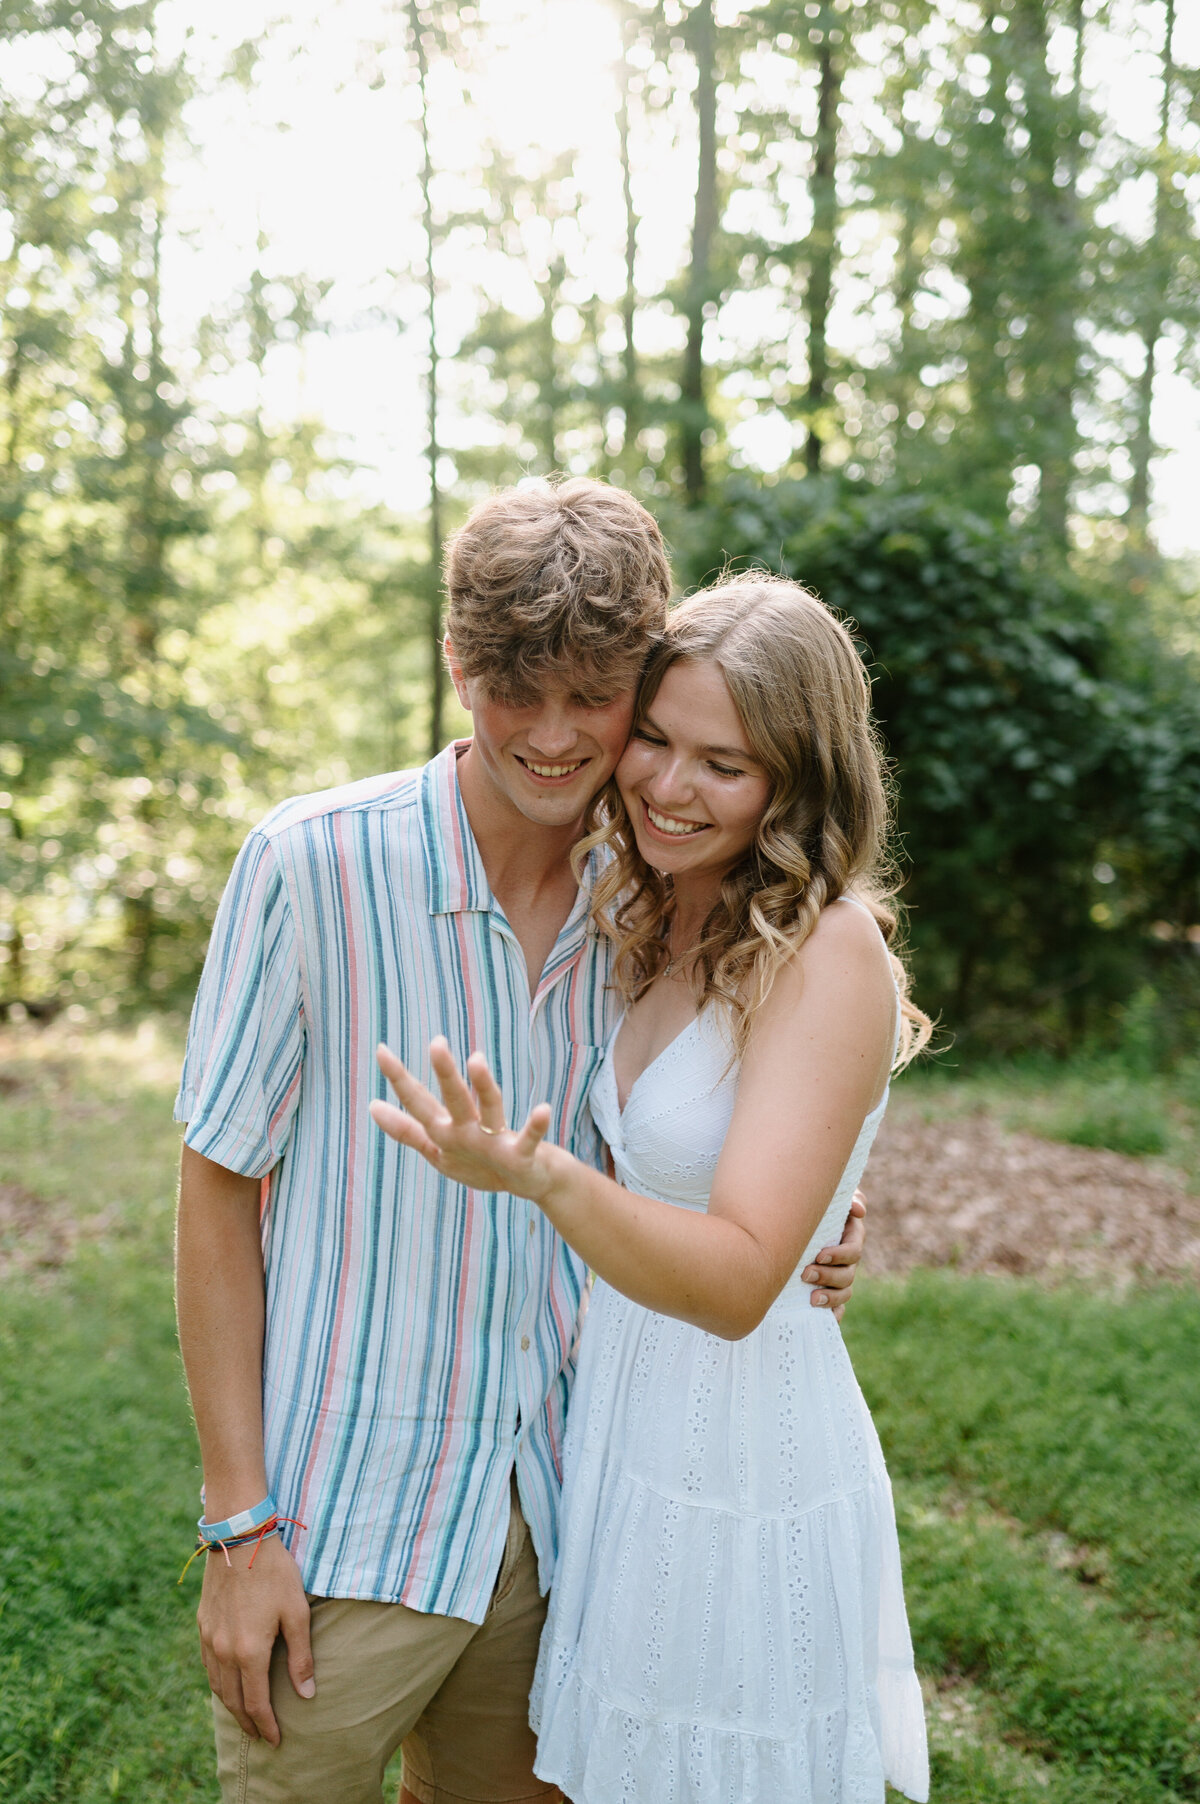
{"x":911,"y":335}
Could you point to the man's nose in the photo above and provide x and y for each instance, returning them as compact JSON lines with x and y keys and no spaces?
{"x":555,"y":732}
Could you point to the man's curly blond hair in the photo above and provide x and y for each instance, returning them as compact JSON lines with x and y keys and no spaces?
{"x":566,"y":580}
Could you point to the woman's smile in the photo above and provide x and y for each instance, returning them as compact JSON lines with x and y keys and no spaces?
{"x":693,"y":789}
{"x":670,"y":824}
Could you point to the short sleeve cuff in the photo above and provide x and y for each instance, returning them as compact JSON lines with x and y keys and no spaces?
{"x":229,"y":1143}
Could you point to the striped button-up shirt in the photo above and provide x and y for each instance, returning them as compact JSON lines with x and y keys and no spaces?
{"x":420,"y":1335}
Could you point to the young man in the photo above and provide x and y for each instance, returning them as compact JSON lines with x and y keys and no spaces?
{"x":383,"y":1355}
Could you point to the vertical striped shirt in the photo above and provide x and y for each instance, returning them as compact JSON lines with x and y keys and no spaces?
{"x":419,"y":1335}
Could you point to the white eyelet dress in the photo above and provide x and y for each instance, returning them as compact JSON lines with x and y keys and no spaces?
{"x":727,"y":1621}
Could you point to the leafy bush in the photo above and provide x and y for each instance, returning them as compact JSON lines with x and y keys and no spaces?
{"x":1047,"y":753}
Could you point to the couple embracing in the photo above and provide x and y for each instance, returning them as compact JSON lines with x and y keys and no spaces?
{"x":622,"y":959}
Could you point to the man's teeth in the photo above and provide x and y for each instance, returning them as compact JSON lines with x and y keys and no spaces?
{"x":552,"y":770}
{"x":665,"y":824}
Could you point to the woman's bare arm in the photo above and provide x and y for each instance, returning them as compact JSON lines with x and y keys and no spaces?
{"x":816,"y":1063}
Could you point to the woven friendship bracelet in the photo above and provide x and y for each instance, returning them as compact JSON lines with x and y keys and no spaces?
{"x":254,"y":1538}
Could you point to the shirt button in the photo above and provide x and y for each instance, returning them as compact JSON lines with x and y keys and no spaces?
{"x":524,"y":1343}
{"x":532,"y":1226}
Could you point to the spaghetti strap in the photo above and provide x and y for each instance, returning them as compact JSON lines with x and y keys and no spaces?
{"x":857,"y":901}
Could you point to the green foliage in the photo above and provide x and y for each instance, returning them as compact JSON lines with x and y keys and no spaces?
{"x":906,"y":264}
{"x":1114,"y":1119}
{"x":1038,"y":747}
{"x":192,"y":621}
{"x":1068,"y":1675}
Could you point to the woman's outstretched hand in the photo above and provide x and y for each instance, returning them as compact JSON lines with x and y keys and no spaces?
{"x":464,"y":1136}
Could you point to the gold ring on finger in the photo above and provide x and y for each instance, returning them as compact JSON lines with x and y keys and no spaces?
{"x":494,"y":1132}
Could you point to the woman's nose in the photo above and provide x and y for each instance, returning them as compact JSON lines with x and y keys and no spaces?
{"x":672,"y":781}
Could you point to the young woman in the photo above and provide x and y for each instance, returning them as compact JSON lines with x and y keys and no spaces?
{"x":727,"y":1623}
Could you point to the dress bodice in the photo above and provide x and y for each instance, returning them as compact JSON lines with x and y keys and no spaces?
{"x":666,"y":1141}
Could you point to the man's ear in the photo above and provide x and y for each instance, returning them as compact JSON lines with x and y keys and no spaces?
{"x":456,"y":673}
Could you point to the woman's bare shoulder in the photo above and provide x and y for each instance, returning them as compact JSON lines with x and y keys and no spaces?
{"x":845,"y":941}
{"x":827,"y":1025}
{"x":841,"y":969}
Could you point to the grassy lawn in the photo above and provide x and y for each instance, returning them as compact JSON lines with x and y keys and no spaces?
{"x":101,"y":1695}
{"x":1043,"y":1447}
{"x":1109,"y":1099}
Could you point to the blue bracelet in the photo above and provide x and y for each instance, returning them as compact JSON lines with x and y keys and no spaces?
{"x":244,"y":1523}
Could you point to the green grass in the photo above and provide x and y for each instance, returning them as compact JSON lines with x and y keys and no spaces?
{"x":101,"y":1694}
{"x":1043,"y":1446}
{"x":1105,"y":1099}
{"x":1047,"y":1473}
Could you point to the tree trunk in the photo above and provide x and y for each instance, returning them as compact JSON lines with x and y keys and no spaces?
{"x":694,"y":409}
{"x":10,"y":513}
{"x":822,"y":249}
{"x":437,"y":676}
{"x":1053,"y":380}
{"x":629,"y":368}
{"x":1141,"y":447}
{"x":544,"y":425}
{"x":146,"y":526}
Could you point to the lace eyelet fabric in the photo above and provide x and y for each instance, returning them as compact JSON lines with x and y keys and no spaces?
{"x":727,"y":1622}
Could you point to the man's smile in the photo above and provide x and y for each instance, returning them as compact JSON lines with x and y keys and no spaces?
{"x":548,"y":772}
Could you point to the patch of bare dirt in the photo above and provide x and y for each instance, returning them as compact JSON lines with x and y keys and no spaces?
{"x":968,"y":1193}
{"x":36,"y":1236}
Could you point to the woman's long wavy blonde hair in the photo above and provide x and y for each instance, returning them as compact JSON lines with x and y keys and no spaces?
{"x":804,"y":700}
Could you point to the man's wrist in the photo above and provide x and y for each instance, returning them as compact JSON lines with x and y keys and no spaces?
{"x":225,"y":1497}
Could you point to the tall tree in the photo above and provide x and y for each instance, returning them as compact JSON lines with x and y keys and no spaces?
{"x":1054,"y":236}
{"x":822,"y":240}
{"x":630,"y":398}
{"x":699,"y":293}
{"x":419,"y":37}
{"x":1162,"y":273}
{"x":534,"y":347}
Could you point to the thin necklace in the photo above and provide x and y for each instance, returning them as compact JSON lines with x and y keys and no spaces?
{"x":674,"y":960}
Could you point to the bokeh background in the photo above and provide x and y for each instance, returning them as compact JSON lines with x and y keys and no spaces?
{"x":898,"y":296}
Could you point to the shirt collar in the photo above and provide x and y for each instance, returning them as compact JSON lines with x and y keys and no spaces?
{"x":456,"y":877}
{"x":457,"y":881}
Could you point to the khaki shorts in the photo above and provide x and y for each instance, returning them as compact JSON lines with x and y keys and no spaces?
{"x":454,"y":1695}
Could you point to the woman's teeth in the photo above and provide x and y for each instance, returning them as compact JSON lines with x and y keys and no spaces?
{"x":552,"y":770}
{"x":680,"y":829}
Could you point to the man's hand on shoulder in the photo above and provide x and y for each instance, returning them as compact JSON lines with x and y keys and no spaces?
{"x":834,"y":1269}
{"x":242,"y":1611}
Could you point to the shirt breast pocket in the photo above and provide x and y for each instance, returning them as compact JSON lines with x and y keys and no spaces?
{"x":577,"y":1131}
